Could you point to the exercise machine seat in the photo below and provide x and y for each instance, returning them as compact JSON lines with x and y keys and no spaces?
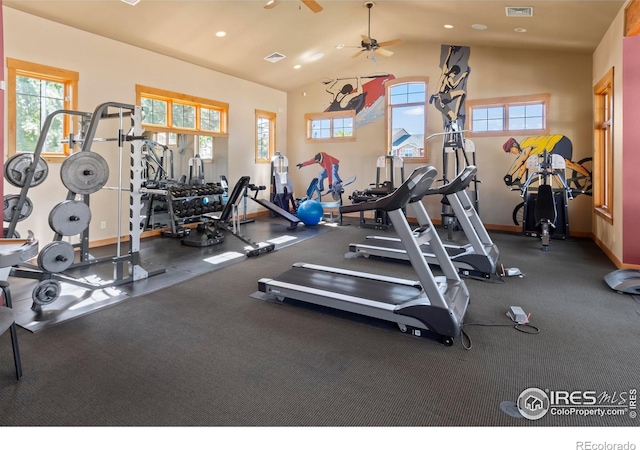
{"x":545,"y":208}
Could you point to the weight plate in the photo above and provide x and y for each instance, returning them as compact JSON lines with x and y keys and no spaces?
{"x":46,"y":292}
{"x":70,"y":217}
{"x":84,"y":172}
{"x":55,"y":257}
{"x":18,"y":166}
{"x":11,"y":205}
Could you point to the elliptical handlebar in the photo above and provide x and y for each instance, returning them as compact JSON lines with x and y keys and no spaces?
{"x":459,"y":183}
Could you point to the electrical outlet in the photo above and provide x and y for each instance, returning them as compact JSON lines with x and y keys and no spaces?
{"x":103,"y":225}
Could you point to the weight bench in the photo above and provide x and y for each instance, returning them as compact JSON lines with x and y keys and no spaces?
{"x":210,"y":230}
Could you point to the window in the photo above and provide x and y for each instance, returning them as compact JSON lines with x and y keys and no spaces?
{"x":168,"y":139}
{"x":166,"y":111}
{"x":204,"y":147}
{"x":332,"y":126}
{"x":603,"y":155}
{"x":183,"y":116}
{"x":210,"y":119}
{"x":265,"y":136}
{"x":406,"y":118}
{"x":515,"y":115}
{"x":34,"y":92}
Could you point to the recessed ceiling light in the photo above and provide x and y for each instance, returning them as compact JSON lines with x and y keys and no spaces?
{"x":340,"y":46}
{"x":297,"y":66}
{"x":131,"y":2}
{"x":316,"y":57}
{"x":479,"y":26}
{"x":221,"y":33}
{"x":520,"y":30}
{"x":448,"y":26}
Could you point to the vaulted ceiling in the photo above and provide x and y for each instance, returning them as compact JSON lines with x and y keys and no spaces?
{"x":186,"y":30}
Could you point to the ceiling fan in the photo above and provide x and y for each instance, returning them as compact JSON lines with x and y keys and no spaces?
{"x":311,"y":4}
{"x":369,"y":44}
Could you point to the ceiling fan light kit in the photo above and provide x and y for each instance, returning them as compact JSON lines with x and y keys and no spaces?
{"x":311,"y":4}
{"x":370,"y":44}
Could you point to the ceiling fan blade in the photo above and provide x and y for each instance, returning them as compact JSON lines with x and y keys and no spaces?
{"x":358,"y":54}
{"x":365,"y":39}
{"x":383,"y":52}
{"x":271,"y":4}
{"x":390,"y":43}
{"x":313,"y":5}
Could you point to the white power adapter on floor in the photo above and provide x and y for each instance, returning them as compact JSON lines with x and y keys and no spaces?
{"x":517,"y":314}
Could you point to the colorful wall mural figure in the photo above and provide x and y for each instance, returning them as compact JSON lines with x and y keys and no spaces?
{"x":363,"y":94}
{"x":451,"y":90}
{"x":330,"y":166}
{"x":346,"y":97}
{"x":578,"y":174}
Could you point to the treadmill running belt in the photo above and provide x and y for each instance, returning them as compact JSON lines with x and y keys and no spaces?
{"x":398,"y":245}
{"x":376,"y":290}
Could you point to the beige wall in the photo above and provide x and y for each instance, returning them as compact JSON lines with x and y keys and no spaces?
{"x":109,"y":71}
{"x":608,"y":54}
{"x":494,"y":73}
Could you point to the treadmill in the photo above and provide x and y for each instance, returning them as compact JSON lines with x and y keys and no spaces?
{"x":428,"y":307}
{"x":478,"y":258}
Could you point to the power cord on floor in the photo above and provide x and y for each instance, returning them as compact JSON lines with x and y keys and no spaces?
{"x":523,"y":327}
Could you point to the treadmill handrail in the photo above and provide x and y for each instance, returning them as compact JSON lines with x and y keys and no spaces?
{"x":417,"y":184}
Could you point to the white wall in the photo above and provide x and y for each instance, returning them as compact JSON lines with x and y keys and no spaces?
{"x":109,"y":71}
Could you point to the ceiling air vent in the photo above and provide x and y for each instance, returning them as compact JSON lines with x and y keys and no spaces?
{"x":519,"y":11}
{"x":274,"y":57}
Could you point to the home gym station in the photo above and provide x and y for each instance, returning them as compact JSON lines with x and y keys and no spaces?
{"x":403,"y":230}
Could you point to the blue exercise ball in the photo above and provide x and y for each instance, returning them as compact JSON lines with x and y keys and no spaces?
{"x":310,"y":212}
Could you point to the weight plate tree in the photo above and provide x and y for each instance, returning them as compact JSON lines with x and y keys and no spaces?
{"x":83,"y":173}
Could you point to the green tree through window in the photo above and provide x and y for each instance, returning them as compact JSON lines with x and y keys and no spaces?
{"x":34,"y":93}
{"x":35,"y":100}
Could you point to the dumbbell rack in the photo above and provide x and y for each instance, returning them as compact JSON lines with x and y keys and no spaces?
{"x":185,"y":205}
